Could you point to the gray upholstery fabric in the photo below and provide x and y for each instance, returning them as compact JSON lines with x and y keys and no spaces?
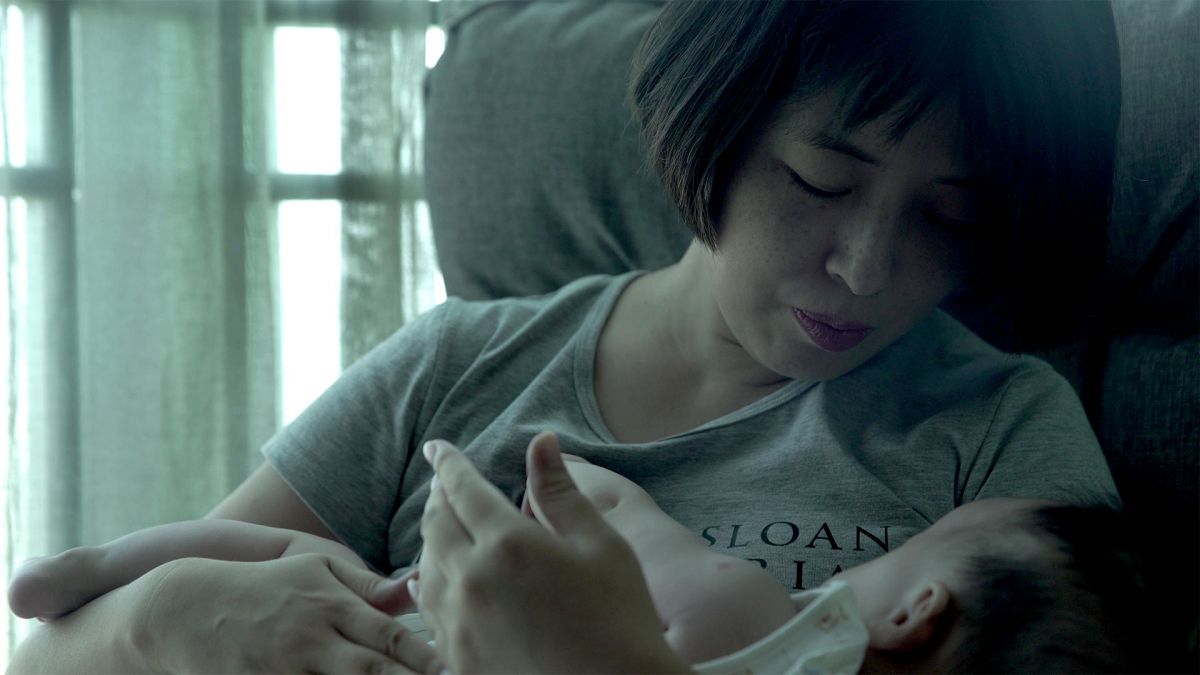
{"x":1149,"y":427}
{"x":533,"y":164}
{"x":1158,"y":168}
{"x":535,"y":178}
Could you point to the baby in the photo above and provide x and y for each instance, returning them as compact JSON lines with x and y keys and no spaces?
{"x":995,"y":585}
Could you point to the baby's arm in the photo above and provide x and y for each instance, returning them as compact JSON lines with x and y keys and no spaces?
{"x":52,"y":586}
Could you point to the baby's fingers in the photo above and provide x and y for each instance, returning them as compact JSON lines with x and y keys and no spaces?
{"x":447,"y":542}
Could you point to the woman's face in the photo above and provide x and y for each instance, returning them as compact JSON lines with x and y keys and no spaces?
{"x":832,"y":247}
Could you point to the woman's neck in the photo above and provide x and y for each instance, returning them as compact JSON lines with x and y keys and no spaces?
{"x":692,"y":330}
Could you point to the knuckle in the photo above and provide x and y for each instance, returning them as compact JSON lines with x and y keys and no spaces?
{"x":307,"y":563}
{"x":394,"y":639}
{"x":324,"y":604}
{"x":476,"y":590}
{"x":452,"y":481}
{"x":511,"y":549}
{"x":296,"y":643}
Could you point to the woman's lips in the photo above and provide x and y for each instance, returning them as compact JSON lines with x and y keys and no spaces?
{"x":830,"y":334}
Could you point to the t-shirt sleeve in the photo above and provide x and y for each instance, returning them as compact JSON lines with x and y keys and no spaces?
{"x":1039,"y":444}
{"x":346,"y":454}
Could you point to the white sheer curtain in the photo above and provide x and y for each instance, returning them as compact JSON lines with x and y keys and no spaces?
{"x":178,"y":283}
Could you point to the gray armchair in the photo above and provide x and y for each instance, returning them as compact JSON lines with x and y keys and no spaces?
{"x":536,"y":177}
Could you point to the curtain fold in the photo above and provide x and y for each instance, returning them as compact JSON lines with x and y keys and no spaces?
{"x":372,"y":301}
{"x":387,"y":255}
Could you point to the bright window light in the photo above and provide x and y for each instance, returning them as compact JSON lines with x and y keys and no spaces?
{"x":310,"y":277}
{"x":431,"y":289}
{"x":13,"y":109}
{"x":435,"y":44}
{"x":308,"y":100}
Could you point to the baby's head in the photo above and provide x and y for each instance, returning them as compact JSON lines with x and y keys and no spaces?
{"x":1005,"y":585}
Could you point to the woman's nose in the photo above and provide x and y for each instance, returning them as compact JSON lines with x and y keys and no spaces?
{"x":863,"y":255}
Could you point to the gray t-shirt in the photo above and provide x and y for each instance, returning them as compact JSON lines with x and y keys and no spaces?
{"x":814,"y":477}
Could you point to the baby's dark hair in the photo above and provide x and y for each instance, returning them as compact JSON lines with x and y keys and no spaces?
{"x":1078,"y":606}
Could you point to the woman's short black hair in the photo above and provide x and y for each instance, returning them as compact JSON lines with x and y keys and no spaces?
{"x":1036,"y":85}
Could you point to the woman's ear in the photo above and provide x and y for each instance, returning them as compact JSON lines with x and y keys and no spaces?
{"x":915,"y":622}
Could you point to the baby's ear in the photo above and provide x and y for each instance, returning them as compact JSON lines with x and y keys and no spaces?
{"x":916,"y":621}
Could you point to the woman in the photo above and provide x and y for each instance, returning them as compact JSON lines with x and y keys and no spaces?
{"x":788,"y":390}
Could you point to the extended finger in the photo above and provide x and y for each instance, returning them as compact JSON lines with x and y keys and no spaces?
{"x":446,"y":540}
{"x":430,"y":595}
{"x":479,"y":505}
{"x":563,"y":506}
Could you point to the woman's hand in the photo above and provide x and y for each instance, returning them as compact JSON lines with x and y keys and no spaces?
{"x":305,"y":613}
{"x":503,"y":594}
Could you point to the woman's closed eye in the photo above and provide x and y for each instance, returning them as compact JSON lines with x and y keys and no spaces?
{"x":951,"y":225}
{"x":815,"y":191}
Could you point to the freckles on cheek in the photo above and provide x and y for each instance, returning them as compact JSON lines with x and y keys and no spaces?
{"x":941,"y":265}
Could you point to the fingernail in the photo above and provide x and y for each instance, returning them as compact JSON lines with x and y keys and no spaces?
{"x":429,"y":449}
{"x":433,"y":483}
{"x":414,"y":590}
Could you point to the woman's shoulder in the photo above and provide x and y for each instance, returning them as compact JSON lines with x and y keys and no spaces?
{"x":580,"y":293}
{"x":942,"y":364}
{"x":565,"y":309}
{"x":949,"y":347}
{"x":471,"y":333}
{"x":998,"y":413}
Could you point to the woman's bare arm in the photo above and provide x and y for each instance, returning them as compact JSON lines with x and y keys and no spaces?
{"x":265,"y":498}
{"x":327,"y":614}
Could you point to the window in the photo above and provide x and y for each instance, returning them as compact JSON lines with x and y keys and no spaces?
{"x":317,"y":104}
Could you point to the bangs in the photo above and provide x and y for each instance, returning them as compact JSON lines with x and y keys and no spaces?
{"x":894,"y":61}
